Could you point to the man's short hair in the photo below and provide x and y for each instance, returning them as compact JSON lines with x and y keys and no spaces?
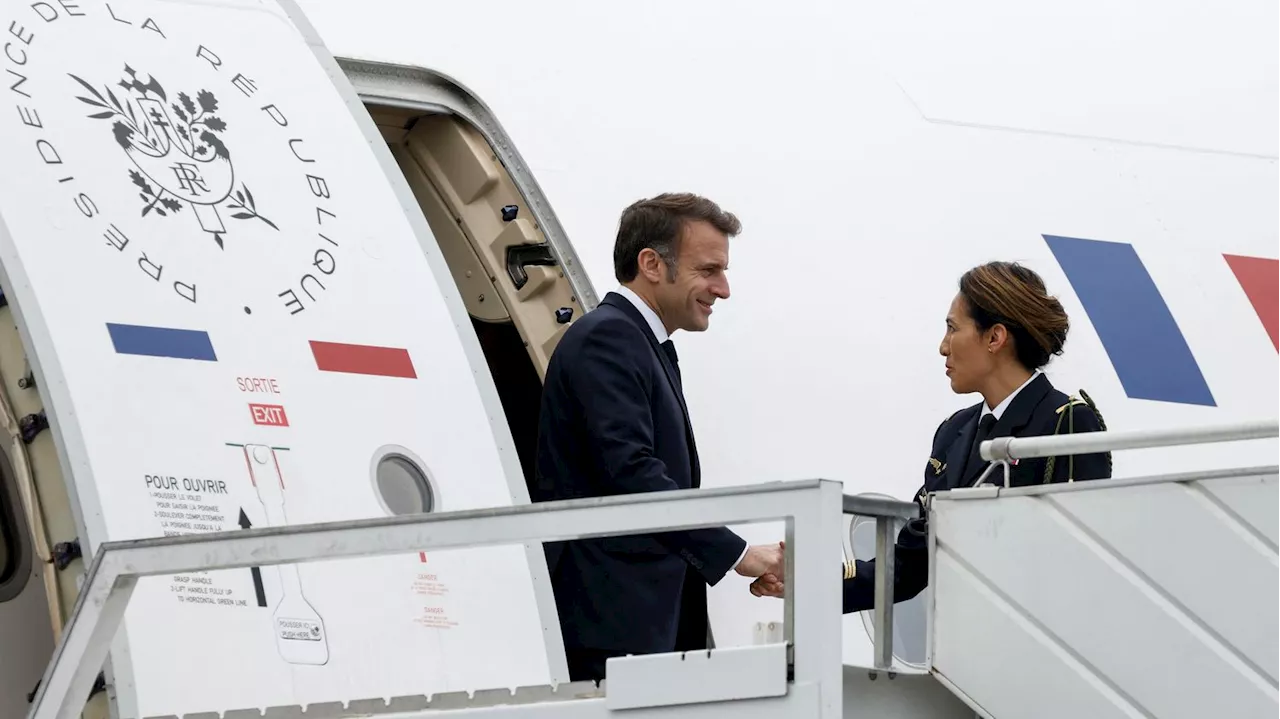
{"x":658,"y":224}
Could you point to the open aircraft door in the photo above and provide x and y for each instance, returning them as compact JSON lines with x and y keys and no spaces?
{"x":235,"y":314}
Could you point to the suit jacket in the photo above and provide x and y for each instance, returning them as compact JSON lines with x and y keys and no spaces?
{"x":954,"y":462}
{"x":614,"y":421}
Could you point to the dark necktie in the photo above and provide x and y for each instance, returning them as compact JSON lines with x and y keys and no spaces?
{"x":670,"y":348}
{"x":975,"y":463}
{"x":984,"y":427}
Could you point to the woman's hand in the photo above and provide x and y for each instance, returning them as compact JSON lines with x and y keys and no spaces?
{"x":767,"y":586}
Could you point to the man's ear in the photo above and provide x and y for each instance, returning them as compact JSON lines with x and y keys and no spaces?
{"x":651,"y":265}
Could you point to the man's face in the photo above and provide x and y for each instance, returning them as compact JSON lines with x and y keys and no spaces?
{"x":700,"y":279}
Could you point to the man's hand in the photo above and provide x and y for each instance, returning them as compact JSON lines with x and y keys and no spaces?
{"x":770,"y":583}
{"x":762,"y":559}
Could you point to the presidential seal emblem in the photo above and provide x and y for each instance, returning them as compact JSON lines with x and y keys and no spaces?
{"x":166,"y":144}
{"x":179,"y":157}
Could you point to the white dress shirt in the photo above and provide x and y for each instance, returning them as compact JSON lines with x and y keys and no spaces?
{"x":1000,"y":408}
{"x":660,"y":333}
{"x":651,"y":317}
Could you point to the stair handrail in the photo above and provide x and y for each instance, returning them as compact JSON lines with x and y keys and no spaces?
{"x":1001,"y":450}
{"x":807,"y":507}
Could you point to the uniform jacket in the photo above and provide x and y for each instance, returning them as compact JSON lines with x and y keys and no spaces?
{"x":954,"y":462}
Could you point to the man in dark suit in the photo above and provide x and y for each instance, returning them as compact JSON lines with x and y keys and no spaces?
{"x":614,"y":421}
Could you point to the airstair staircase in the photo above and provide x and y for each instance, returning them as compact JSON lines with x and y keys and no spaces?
{"x":1148,"y":597}
{"x":1143,"y":597}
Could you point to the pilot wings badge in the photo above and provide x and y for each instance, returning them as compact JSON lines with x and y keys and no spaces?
{"x":177,"y":150}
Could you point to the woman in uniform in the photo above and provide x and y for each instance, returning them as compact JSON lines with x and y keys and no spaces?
{"x":1002,"y":329}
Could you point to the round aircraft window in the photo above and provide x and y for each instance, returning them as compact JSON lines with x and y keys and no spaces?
{"x":401,"y":484}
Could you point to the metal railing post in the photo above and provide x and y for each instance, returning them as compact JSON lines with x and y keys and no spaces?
{"x":98,"y":612}
{"x":885,"y":572}
{"x":814,"y":597}
{"x":885,"y":512}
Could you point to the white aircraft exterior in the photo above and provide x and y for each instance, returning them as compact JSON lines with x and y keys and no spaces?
{"x":247,"y":285}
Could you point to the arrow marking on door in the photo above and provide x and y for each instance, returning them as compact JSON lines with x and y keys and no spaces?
{"x":255,"y":571}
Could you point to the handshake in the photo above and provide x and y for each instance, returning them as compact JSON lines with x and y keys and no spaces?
{"x":765,"y":562}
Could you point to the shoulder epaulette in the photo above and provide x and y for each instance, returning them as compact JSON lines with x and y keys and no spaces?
{"x":1072,"y":400}
{"x":1102,"y":424}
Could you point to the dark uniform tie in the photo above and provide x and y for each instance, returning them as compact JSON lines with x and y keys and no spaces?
{"x":984,"y":426}
{"x":974,"y":462}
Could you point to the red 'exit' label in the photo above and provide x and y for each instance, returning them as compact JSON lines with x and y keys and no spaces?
{"x":271,"y":415}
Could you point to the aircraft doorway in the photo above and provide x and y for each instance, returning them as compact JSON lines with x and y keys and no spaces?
{"x":29,"y":621}
{"x":516,"y":294}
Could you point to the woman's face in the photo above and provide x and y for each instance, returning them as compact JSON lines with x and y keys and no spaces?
{"x":968,"y":351}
